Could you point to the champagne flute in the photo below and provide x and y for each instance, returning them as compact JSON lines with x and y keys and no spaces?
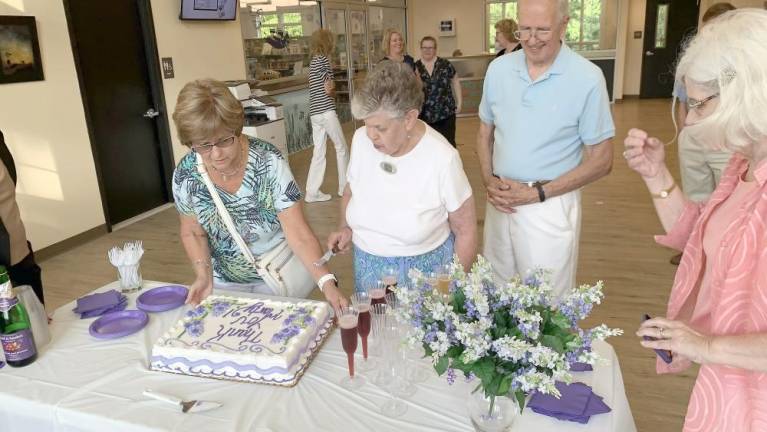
{"x":394,"y":406}
{"x":361,"y":302}
{"x":379,"y":314}
{"x":442,"y":273}
{"x":390,"y":277}
{"x":377,"y":293}
{"x":348,"y":319}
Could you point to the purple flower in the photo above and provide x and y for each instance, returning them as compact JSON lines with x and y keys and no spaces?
{"x":195,"y":328}
{"x":196,"y":312}
{"x":220,"y":308}
{"x":450,"y":376}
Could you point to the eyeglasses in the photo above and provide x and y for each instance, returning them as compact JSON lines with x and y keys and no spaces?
{"x":207,"y":148}
{"x":428,"y":47}
{"x":694,"y":103}
{"x":526,"y":34}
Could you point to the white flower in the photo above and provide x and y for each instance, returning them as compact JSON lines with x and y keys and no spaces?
{"x":439,"y":346}
{"x":437,"y":308}
{"x":529,"y":323}
{"x":545,"y":357}
{"x":511,"y":348}
{"x":538,"y":381}
{"x":592,"y":358}
{"x":602,"y":332}
{"x":475,"y":339}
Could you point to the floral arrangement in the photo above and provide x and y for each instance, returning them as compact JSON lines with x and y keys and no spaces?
{"x":513,"y":337}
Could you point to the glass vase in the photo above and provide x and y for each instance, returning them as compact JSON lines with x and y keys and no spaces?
{"x":493,"y":413}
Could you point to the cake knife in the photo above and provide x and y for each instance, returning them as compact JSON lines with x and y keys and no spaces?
{"x":325,"y":258}
{"x":186,"y":406}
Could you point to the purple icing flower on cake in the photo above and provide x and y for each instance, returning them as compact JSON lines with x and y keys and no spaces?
{"x":220,"y":308}
{"x":196,"y":312}
{"x":194,"y":328}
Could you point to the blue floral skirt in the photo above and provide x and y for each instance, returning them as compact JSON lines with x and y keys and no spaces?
{"x":368,"y":268}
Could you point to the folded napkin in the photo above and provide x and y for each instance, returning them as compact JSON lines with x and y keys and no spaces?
{"x":577,"y":403}
{"x":580,"y":367}
{"x":100,"y":303}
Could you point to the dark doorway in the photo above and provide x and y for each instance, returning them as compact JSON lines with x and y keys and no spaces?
{"x":115,"y":54}
{"x":667,"y":25}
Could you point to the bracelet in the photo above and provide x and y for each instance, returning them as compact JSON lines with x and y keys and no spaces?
{"x":664,"y":193}
{"x":325,"y":278}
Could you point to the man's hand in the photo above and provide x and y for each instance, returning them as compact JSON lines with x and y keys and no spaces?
{"x":504,"y":195}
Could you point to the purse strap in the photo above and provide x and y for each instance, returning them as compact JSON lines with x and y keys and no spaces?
{"x":223,"y":212}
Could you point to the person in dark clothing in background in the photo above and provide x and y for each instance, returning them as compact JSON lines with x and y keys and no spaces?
{"x":15,"y":251}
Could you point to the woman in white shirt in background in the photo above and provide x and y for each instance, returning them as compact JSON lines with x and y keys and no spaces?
{"x":407,"y":202}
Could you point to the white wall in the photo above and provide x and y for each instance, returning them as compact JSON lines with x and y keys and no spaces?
{"x":199,"y":50}
{"x":44,"y":126}
{"x":632,"y":73}
{"x":424,"y":17}
{"x":44,"y":122}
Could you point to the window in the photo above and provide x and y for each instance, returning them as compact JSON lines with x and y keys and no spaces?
{"x":592,"y":23}
{"x":288,"y":21}
{"x":661,"y":26}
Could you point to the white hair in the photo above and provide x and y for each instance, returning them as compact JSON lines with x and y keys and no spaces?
{"x":729,"y":56}
{"x":391,"y":88}
{"x":563,"y":8}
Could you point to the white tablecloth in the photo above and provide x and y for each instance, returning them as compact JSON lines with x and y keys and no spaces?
{"x":80,"y":383}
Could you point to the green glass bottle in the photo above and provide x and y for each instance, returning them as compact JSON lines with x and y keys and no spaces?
{"x":15,"y":329}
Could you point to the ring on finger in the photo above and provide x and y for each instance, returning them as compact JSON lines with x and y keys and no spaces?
{"x":626,"y":154}
{"x":660,"y":330}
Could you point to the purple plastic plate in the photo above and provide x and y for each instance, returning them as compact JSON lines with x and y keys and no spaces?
{"x":118,"y":324}
{"x":162,"y":298}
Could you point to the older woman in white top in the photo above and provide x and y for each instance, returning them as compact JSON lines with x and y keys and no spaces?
{"x":407,"y":201}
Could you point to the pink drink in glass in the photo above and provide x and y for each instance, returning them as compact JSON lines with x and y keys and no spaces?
{"x":348,"y":326}
{"x":377,"y":296}
{"x":364,"y":327}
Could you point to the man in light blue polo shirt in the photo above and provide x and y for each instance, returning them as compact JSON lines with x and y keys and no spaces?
{"x":546,"y":131}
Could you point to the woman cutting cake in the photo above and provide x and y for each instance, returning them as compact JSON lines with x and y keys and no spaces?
{"x":256,"y":187}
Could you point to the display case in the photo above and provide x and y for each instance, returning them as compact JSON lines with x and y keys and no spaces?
{"x":276,"y":39}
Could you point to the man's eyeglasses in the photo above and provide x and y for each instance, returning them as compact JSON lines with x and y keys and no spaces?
{"x":207,"y":148}
{"x":527,"y":34}
{"x":428,"y":47}
{"x":694,"y":103}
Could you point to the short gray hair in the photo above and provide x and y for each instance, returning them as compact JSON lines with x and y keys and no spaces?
{"x":563,"y":7}
{"x":391,"y":88}
{"x":729,"y":56}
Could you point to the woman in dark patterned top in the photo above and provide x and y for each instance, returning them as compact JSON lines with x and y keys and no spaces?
{"x":394,"y":48}
{"x":505,"y":41}
{"x":256,"y":186}
{"x":322,"y":113}
{"x":441,"y":88}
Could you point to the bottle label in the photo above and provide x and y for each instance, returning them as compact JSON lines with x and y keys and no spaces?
{"x":6,"y":304}
{"x":18,"y":346}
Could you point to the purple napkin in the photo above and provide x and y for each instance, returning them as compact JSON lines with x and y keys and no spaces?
{"x":580,"y":367}
{"x":98,"y":301}
{"x":577,"y":403}
{"x":98,"y":312}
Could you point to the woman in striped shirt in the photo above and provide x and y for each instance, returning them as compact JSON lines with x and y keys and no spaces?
{"x":322,"y":113}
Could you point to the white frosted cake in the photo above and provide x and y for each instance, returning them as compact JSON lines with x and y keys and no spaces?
{"x":245,"y":339}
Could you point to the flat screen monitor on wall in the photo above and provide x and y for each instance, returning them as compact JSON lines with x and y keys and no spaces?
{"x":208,"y":10}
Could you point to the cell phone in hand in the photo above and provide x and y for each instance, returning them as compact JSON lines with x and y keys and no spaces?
{"x":665,"y":355}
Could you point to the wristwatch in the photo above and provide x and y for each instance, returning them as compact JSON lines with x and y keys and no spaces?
{"x":664,"y":193}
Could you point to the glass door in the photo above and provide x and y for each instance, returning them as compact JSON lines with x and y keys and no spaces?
{"x":350,"y":57}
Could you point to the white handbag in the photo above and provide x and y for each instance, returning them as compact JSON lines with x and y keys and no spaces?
{"x":280,"y":269}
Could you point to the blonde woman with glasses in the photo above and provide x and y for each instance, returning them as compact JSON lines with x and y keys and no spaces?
{"x":255,"y":184}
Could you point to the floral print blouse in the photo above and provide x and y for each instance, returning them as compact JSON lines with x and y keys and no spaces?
{"x":439,"y":102}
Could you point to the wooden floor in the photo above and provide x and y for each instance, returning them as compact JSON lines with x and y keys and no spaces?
{"x":616,"y":246}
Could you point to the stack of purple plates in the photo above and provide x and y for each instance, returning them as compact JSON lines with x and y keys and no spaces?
{"x":162,"y":298}
{"x":100,"y":303}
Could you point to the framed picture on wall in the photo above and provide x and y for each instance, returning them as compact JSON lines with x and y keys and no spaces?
{"x":19,"y":50}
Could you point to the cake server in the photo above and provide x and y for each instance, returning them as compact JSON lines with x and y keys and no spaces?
{"x":186,"y":406}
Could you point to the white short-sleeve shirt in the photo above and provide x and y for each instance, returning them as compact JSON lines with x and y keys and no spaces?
{"x":404,"y":213}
